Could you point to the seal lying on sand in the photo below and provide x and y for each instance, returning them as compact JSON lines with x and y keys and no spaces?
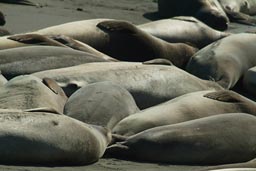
{"x":103,"y":103}
{"x":208,"y":11}
{"x":184,"y":108}
{"x":47,"y":139}
{"x":219,"y":139}
{"x":27,"y":60}
{"x":183,"y":30}
{"x":31,"y":93}
{"x":122,"y":40}
{"x":149,"y":84}
{"x":226,"y":60}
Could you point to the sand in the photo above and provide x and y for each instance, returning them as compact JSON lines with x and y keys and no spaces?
{"x":22,"y":18}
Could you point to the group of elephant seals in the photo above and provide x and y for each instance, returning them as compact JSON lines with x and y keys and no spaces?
{"x":28,"y":92}
{"x":47,"y":139}
{"x":103,"y":103}
{"x":149,"y":84}
{"x":226,"y":60}
{"x":183,"y":30}
{"x":205,"y":141}
{"x":208,"y":11}
{"x":184,"y":108}
{"x":27,"y":60}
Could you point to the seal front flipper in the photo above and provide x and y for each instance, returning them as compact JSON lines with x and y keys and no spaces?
{"x":52,"y":85}
{"x":35,"y":39}
{"x":224,"y":96}
{"x":117,"y":26}
{"x":158,"y":61}
{"x":240,"y":17}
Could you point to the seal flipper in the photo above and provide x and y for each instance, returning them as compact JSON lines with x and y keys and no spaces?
{"x":158,"y":61}
{"x":117,"y":26}
{"x":52,"y":85}
{"x":43,"y":109}
{"x":224,"y":96}
{"x":35,"y":39}
{"x":240,"y":17}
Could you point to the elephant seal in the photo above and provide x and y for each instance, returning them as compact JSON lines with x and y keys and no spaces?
{"x":208,"y":11}
{"x":149,"y":84}
{"x":226,"y":60}
{"x":27,"y":60}
{"x":2,"y":19}
{"x":240,"y":10}
{"x":249,"y":81}
{"x":31,"y":93}
{"x":123,"y":41}
{"x":183,"y":30}
{"x":184,"y":108}
{"x":205,"y":141}
{"x":46,"y":139}
{"x":103,"y":103}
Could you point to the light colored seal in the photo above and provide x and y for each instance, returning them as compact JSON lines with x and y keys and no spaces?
{"x":27,"y":60}
{"x":184,"y":108}
{"x":149,"y":84}
{"x":240,"y":10}
{"x":208,"y":11}
{"x":31,"y":93}
{"x":122,"y":40}
{"x":47,"y":139}
{"x":226,"y":60}
{"x":183,"y":30}
{"x":219,"y":139}
{"x":102,"y":103}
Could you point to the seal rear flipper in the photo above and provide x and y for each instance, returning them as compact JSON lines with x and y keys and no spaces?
{"x":117,"y":138}
{"x":224,"y":96}
{"x":158,"y":61}
{"x":35,"y":39}
{"x":117,"y":26}
{"x":240,"y":17}
{"x":116,"y":150}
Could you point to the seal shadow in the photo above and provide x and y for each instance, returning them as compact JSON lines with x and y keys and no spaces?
{"x":152,"y":16}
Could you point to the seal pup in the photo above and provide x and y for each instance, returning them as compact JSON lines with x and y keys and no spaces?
{"x":183,"y":30}
{"x":208,"y":11}
{"x":184,"y":108}
{"x":204,"y":141}
{"x":27,"y":60}
{"x":28,"y":138}
{"x":226,"y":60}
{"x":149,"y":84}
{"x":102,"y":103}
{"x":28,"y":92}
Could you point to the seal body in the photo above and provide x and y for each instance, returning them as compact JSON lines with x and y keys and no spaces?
{"x":204,"y":141}
{"x":28,"y":92}
{"x":102,"y":103}
{"x":47,"y":139}
{"x":209,"y":12}
{"x":183,"y":30}
{"x":184,"y":108}
{"x":27,"y":60}
{"x":149,"y":84}
{"x":226,"y":60}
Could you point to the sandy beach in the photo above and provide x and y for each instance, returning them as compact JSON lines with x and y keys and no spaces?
{"x":22,"y":18}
